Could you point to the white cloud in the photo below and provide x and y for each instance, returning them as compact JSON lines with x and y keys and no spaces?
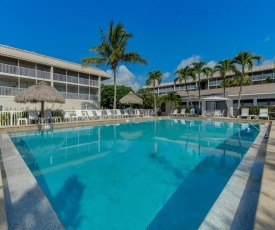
{"x":268,"y":62}
{"x":211,"y":64}
{"x":267,"y":39}
{"x":194,"y":58}
{"x":188,"y":61}
{"x":166,"y":75}
{"x":123,"y":77}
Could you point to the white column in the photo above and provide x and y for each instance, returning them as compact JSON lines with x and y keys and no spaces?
{"x":99,"y":91}
{"x":254,"y":101}
{"x":51,"y":76}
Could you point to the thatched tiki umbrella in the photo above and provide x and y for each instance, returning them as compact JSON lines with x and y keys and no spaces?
{"x":131,"y":99}
{"x":40,"y":92}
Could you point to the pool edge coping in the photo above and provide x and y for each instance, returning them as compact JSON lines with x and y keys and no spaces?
{"x":150,"y":118}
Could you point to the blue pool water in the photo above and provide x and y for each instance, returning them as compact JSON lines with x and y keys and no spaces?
{"x":162,"y":174}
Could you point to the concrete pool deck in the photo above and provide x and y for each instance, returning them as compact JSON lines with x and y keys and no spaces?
{"x":22,"y":192}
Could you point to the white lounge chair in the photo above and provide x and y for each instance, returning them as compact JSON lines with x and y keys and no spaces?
{"x":119,"y":114}
{"x":182,"y":112}
{"x":66,"y":116}
{"x":175,"y":113}
{"x":91,"y":115}
{"x":80,"y":116}
{"x":48,"y":116}
{"x":33,"y":116}
{"x":99,"y":114}
{"x":108,"y":113}
{"x":192,"y":112}
{"x":208,"y":113}
{"x":263,"y":113}
{"x":245,"y":113}
{"x":137,"y":113}
{"x":217,"y":113}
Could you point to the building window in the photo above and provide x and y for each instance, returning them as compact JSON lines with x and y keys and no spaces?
{"x":262,"y":102}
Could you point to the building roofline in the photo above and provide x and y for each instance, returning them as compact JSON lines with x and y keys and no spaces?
{"x":51,"y":61}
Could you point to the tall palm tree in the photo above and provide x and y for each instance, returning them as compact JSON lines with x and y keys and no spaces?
{"x":112,"y":51}
{"x":245,"y":59}
{"x":184,"y":74}
{"x":155,"y":78}
{"x":199,"y":68}
{"x":222,"y":67}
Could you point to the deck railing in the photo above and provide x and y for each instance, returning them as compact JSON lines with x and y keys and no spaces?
{"x":12,"y":69}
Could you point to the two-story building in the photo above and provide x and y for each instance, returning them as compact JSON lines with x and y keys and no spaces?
{"x":261,"y":92}
{"x":20,"y":69}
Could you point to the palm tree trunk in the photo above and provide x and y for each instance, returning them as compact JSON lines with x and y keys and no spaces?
{"x":240,"y":92}
{"x":114,"y":72}
{"x":224,"y":86}
{"x":187,"y":91}
{"x":155,"y":107}
{"x":199,"y":92}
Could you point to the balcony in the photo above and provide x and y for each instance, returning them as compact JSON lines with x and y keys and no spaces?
{"x":9,"y":91}
{"x":79,"y":96}
{"x":72,"y":79}
{"x":11,"y":69}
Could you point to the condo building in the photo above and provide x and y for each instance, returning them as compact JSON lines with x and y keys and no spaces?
{"x":261,"y":92}
{"x":20,"y":69}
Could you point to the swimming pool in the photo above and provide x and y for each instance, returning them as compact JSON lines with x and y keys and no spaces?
{"x":155,"y":175}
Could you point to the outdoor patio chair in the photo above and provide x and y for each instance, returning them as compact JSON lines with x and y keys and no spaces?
{"x":245,"y":113}
{"x":182,"y":112}
{"x":48,"y":116}
{"x":33,"y":116}
{"x":108,"y":113}
{"x":192,"y":112}
{"x":119,"y":114}
{"x":175,"y":113}
{"x":91,"y":115}
{"x":137,"y":113}
{"x":79,"y":115}
{"x":208,"y":113}
{"x":263,"y":113}
{"x":217,"y":113}
{"x":66,"y":116}
{"x":99,"y":114}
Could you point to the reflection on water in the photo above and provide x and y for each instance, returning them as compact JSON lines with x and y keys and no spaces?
{"x":116,"y":170}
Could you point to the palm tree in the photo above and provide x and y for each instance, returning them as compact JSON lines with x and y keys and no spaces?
{"x":244,"y":59}
{"x":155,"y":77}
{"x":184,"y":74}
{"x":199,"y":68}
{"x":222,"y":67}
{"x":112,"y":51}
{"x":171,"y":97}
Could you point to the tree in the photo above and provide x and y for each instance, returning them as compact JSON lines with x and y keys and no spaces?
{"x":171,"y":97}
{"x":235,"y":81}
{"x":112,"y":51}
{"x":245,"y":59}
{"x":155,"y":78}
{"x":184,"y":74}
{"x":107,"y":95}
{"x":222,"y":67}
{"x":147,"y":97}
{"x":199,"y":68}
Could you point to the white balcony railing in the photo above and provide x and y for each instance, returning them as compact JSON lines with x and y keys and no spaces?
{"x":83,"y":81}
{"x":12,"y":69}
{"x":79,"y":96}
{"x":43,"y":74}
{"x":9,"y":91}
{"x":72,"y":79}
{"x":4,"y":68}
{"x":59,"y":77}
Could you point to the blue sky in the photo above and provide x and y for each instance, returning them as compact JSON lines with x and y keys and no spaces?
{"x":169,"y":34}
